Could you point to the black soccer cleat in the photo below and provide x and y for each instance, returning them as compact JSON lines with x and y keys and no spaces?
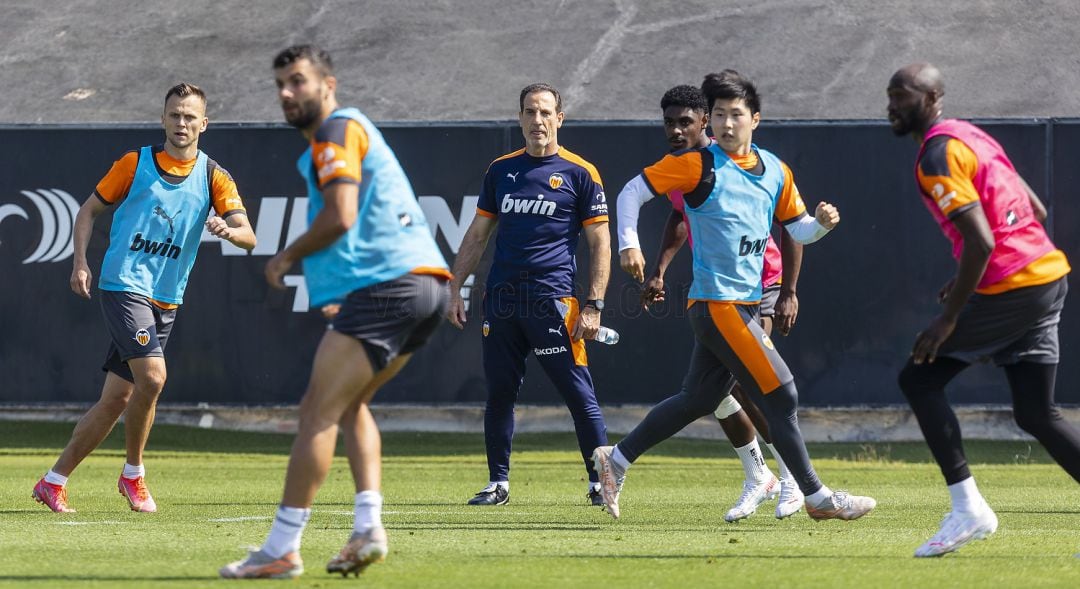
{"x":595,"y":497}
{"x":497,"y":496}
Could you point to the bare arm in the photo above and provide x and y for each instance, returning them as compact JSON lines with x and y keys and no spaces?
{"x":236,"y":229}
{"x":84,"y":226}
{"x":337,"y":216}
{"x":599,"y":272}
{"x":671,"y":242}
{"x":978,"y":245}
{"x":472,"y":249}
{"x":1036,"y":204}
{"x":596,"y":234}
{"x":787,"y":304}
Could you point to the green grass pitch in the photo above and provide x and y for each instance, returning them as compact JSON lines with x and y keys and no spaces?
{"x":217,"y":492}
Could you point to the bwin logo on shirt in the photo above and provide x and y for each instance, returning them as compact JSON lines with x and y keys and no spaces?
{"x":57,"y":210}
{"x":164,"y":249}
{"x":529,"y":206}
{"x":751,"y":246}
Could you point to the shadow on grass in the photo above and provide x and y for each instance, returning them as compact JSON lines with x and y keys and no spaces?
{"x":502,"y":527}
{"x":1039,"y":511}
{"x":35,"y":438}
{"x":905,"y":557}
{"x":97,"y":578}
{"x":269,"y":504}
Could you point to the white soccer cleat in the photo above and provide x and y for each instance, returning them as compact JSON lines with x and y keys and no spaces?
{"x":361,"y":551}
{"x":753,"y":494}
{"x":611,"y":478}
{"x":260,"y":565}
{"x":957,"y":529}
{"x":791,"y":499}
{"x":841,"y":505}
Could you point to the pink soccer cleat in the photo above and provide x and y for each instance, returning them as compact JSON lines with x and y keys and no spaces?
{"x":134,"y":490}
{"x":52,"y":496}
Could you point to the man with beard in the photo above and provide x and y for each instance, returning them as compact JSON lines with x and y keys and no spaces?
{"x":685,"y":114}
{"x":388,"y":280}
{"x":163,"y":196}
{"x":1004,"y":303}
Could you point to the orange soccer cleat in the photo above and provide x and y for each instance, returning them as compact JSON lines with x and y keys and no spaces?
{"x":135,"y":491}
{"x":52,"y":496}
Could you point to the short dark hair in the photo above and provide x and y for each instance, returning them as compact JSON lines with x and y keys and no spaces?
{"x":685,"y":96}
{"x":731,"y":85}
{"x":539,"y":87}
{"x":183,"y":90}
{"x":317,"y":56}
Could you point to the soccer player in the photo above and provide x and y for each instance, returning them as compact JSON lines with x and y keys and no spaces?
{"x":1003,"y":304}
{"x":732,"y":191}
{"x":163,"y":196}
{"x":368,"y":250}
{"x":537,"y":201}
{"x":685,"y":121}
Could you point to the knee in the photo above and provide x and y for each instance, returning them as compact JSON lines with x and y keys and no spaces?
{"x":115,"y":401}
{"x":313,"y":419}
{"x":701,"y":403}
{"x":501,"y":401}
{"x":1032,"y":420}
{"x":910,"y":382}
{"x":152,"y":380}
{"x":357,"y":417}
{"x":728,"y":407}
{"x":348,"y":422}
{"x":783,"y":400}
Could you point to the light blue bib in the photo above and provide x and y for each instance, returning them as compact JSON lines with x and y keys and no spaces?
{"x":390,"y":237}
{"x":731,"y":229}
{"x":155,"y":232}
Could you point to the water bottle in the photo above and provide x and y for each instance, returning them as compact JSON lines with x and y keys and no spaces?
{"x":608,"y":336}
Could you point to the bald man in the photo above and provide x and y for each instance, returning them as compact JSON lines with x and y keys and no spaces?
{"x":1003,"y":304}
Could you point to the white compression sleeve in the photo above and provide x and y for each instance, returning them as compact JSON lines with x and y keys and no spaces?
{"x":728,"y":407}
{"x":635,"y":194}
{"x":806,"y":229}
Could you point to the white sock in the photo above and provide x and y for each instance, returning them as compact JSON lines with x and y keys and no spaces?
{"x":966,"y":496}
{"x":619,"y":460}
{"x":753,"y":462}
{"x":368,"y":511}
{"x":492,"y":484}
{"x":285,"y":533}
{"x":133,"y":472}
{"x":784,"y":472}
{"x":594,"y":487}
{"x":55,"y":479}
{"x":820,"y":496}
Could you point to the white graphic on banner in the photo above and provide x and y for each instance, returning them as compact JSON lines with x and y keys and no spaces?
{"x":57,"y":210}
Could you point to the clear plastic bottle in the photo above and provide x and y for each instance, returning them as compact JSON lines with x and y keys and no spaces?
{"x":606,"y":335}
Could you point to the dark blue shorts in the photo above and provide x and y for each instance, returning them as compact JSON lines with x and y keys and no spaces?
{"x":394,"y":317}
{"x":138,"y":327}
